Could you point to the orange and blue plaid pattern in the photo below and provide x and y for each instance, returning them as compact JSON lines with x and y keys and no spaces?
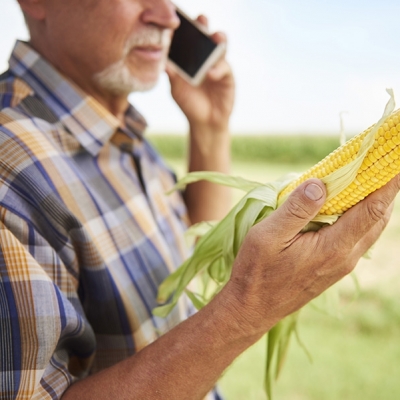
{"x":86,"y":233}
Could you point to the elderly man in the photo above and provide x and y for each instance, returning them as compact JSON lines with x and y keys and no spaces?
{"x":87,"y":235}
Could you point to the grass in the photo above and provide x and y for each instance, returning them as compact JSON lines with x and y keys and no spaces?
{"x":299,"y":149}
{"x":355,"y":356}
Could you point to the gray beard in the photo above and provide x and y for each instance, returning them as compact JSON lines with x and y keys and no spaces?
{"x":118,"y":80}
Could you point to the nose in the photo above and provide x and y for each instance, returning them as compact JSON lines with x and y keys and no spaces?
{"x":161,"y":13}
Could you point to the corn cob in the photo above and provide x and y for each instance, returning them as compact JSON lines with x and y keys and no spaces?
{"x":379,"y":166}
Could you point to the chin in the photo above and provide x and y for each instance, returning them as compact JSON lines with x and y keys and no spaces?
{"x":117,"y":79}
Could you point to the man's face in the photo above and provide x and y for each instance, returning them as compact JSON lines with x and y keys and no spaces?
{"x":144,"y":57}
{"x":117,"y":45}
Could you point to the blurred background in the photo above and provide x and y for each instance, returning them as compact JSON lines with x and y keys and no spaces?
{"x":299,"y":65}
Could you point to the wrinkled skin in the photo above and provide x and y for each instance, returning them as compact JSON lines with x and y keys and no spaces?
{"x":278,"y":269}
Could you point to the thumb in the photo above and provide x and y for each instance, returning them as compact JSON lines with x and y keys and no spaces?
{"x":299,"y":209}
{"x":178,"y":84}
{"x":172,"y":74}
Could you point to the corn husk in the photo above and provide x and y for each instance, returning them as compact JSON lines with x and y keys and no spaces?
{"x":218,"y":245}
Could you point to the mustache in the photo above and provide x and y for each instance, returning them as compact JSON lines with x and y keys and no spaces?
{"x":149,"y":36}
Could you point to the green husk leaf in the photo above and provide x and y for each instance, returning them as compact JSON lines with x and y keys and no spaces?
{"x":219,"y":246}
{"x":235,"y":182}
{"x":198,"y":230}
{"x":271,"y":339}
{"x":196,"y":299}
{"x":289,"y":326}
{"x":217,"y":271}
{"x":278,"y":339}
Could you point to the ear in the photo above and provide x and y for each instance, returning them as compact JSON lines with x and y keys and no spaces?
{"x":34,"y":9}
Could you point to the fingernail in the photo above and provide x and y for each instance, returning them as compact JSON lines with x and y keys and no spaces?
{"x":313,"y":192}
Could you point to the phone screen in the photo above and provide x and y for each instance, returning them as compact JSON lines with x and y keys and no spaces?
{"x":190,"y":47}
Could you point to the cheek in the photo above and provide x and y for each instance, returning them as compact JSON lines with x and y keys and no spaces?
{"x":94,"y":29}
{"x":101,"y":46}
{"x":109,"y":38}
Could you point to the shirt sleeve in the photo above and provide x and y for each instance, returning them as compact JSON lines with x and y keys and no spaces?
{"x":46,"y":342}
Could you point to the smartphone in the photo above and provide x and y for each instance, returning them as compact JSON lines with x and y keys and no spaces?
{"x":193,"y":52}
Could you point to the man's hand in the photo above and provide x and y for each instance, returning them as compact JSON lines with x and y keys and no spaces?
{"x":208,"y":108}
{"x":278,"y":269}
{"x":209,"y":105}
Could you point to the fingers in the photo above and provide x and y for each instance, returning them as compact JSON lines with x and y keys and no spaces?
{"x":217,"y":37}
{"x":363,"y":223}
{"x":172,"y":74}
{"x":203,"y":20}
{"x":297,"y":211}
{"x":221,"y":67}
{"x":170,"y":70}
{"x":219,"y":70}
{"x":373,"y":234}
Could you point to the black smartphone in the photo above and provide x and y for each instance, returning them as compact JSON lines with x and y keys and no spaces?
{"x":193,"y":52}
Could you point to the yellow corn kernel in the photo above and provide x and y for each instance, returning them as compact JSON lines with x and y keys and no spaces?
{"x":381,"y":163}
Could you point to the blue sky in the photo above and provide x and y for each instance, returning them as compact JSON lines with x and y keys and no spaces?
{"x":298,"y":64}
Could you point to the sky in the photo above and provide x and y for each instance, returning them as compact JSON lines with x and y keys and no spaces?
{"x":298,"y":64}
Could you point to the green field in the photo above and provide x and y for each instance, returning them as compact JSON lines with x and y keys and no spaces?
{"x":354,"y":355}
{"x":296,"y":149}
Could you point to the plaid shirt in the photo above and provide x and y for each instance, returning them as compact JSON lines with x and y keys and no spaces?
{"x":86,"y":233}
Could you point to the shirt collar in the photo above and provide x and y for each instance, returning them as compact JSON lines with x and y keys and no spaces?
{"x":81,"y":114}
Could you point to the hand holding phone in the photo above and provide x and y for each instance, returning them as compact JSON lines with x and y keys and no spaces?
{"x":193,"y":52}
